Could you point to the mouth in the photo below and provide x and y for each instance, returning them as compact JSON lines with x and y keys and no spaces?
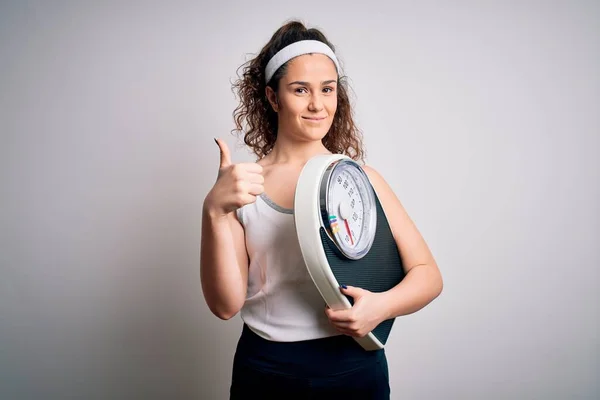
{"x":314,"y":118}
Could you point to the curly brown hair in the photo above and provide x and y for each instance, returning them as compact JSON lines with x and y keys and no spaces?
{"x":255,"y":112}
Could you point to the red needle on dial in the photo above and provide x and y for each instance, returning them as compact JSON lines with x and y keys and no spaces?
{"x":349,"y":233}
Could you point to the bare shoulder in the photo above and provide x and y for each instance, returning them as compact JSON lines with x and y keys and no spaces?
{"x":373,"y":175}
{"x":393,"y":208}
{"x":412,"y":246}
{"x":386,"y":195}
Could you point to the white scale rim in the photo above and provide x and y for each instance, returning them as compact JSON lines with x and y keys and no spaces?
{"x":308,"y":221}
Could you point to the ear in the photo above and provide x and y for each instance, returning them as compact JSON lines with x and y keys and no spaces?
{"x":272,"y":97}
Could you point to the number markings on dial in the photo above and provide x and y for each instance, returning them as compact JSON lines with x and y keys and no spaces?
{"x":350,"y":205}
{"x":350,"y":202}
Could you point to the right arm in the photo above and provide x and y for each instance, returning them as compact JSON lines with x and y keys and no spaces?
{"x":223,"y":263}
{"x":223,"y":254}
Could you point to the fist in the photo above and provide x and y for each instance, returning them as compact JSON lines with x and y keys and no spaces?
{"x":236,"y":185}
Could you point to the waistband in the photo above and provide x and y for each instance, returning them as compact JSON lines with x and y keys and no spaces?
{"x":325,"y":357}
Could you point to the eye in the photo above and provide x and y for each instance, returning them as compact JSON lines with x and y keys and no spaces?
{"x":328,"y":89}
{"x":301,"y":90}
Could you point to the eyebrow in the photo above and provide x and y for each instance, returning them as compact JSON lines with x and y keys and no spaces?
{"x":308,"y":84}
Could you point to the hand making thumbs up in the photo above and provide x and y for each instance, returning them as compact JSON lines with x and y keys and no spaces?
{"x":236,"y":185}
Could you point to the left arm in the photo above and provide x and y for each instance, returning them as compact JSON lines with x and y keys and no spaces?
{"x":420,"y":286}
{"x":423,"y":280}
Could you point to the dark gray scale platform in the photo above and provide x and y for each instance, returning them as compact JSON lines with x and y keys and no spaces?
{"x":379,"y":270}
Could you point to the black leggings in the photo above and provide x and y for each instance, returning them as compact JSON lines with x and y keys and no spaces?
{"x":329,"y":368}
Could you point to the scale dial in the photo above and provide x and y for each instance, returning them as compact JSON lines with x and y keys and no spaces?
{"x":348,"y":208}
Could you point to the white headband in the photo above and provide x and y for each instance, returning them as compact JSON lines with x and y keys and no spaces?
{"x":297,"y":49}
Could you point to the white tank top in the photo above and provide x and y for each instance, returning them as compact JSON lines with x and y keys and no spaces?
{"x":282,"y":302}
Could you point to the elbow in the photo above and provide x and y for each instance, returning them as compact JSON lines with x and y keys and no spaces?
{"x":439,"y":285}
{"x":223,"y":306}
{"x":225,"y":312}
{"x":435,"y":282}
{"x":439,"y":289}
{"x":225,"y":315}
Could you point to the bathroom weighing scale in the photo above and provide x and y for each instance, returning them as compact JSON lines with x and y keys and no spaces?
{"x":344,"y":235}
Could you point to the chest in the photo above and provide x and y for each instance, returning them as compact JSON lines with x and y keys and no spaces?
{"x":280,"y":185}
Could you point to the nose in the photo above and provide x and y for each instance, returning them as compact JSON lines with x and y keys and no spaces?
{"x":316,"y":102}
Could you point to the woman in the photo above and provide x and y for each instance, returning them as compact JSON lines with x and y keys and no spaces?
{"x":294,"y":105}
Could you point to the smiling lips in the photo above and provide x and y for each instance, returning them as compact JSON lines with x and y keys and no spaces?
{"x":314,"y":119}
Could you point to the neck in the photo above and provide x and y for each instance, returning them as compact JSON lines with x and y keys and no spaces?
{"x":286,"y":151}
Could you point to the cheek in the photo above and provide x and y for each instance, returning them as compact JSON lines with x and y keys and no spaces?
{"x":332,"y":106}
{"x":292,"y":106}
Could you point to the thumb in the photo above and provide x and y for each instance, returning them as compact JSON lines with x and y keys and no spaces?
{"x":354,"y":292}
{"x":225,"y":160}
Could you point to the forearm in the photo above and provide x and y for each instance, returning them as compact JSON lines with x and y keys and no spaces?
{"x":421,"y":285}
{"x":223,"y":283}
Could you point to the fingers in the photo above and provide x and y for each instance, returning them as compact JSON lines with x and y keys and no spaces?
{"x":252,"y":168}
{"x":249,"y":182}
{"x":249,"y":173}
{"x":242,"y":170}
{"x":346,"y":328}
{"x":225,"y":159}
{"x":247,"y":199}
{"x":342,"y":325}
{"x":244,"y":181}
{"x":346,"y":325}
{"x":255,"y":179}
{"x":347,"y":332}
{"x":256,"y":189}
{"x":354,"y":292}
{"x":340,"y":315}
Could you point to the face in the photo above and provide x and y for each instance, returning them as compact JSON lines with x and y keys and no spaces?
{"x":306,"y":100}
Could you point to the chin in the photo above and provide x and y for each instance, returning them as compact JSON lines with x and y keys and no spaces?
{"x":315,"y":134}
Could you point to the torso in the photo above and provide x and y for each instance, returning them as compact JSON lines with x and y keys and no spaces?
{"x":282,"y":303}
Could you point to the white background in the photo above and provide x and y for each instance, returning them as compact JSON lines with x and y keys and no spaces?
{"x":482,"y":116}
